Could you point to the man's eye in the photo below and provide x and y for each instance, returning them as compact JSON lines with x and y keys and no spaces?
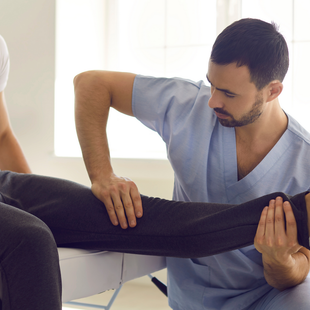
{"x":229,"y":95}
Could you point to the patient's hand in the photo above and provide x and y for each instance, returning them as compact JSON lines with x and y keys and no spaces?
{"x":121,"y":198}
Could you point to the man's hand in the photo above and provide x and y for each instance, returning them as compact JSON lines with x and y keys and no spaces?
{"x":121,"y":198}
{"x":285,"y":263}
{"x":276,"y":242}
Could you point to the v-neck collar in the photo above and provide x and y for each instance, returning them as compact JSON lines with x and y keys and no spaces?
{"x":232,"y":185}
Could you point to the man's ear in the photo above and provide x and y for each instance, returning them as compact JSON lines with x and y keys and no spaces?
{"x":274,"y":89}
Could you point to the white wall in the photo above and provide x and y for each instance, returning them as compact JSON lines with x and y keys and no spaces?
{"x":28,"y":26}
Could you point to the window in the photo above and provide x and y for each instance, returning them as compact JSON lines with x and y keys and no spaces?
{"x":292,"y":17}
{"x":162,"y":38}
{"x":152,"y":37}
{"x":80,"y":46}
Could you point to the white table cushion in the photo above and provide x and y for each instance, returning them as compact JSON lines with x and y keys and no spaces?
{"x":86,"y":273}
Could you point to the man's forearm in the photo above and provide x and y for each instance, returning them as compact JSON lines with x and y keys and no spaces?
{"x":95,"y":93}
{"x":282,"y":277}
{"x":92,"y":104}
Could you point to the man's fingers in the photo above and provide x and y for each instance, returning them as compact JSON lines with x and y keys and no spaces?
{"x":137,"y":202}
{"x":119,"y":210}
{"x":133,"y":207}
{"x":269,"y":232}
{"x":280,"y":233}
{"x":132,"y":203}
{"x":291,"y":226}
{"x":129,"y":209}
{"x":111,"y":211}
{"x":121,"y":198}
{"x":105,"y":197}
{"x":260,"y":232}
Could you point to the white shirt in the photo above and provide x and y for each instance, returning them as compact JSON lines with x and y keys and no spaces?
{"x":4,"y":64}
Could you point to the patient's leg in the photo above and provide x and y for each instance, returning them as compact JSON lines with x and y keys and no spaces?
{"x":168,"y":228}
{"x":30,"y":276}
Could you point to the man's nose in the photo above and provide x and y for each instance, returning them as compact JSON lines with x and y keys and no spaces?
{"x":215,"y":99}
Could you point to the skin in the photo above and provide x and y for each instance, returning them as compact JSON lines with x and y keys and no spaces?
{"x":286,"y":263}
{"x":262,"y":123}
{"x":246,"y":119}
{"x":227,"y":119}
{"x":11,"y":155}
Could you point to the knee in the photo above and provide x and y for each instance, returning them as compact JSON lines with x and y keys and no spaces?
{"x":32,"y":236}
{"x":36,"y":235}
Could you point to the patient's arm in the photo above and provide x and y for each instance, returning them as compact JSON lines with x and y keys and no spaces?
{"x":11,"y":154}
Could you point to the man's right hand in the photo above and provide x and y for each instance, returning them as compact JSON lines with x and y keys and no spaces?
{"x":121,"y":198}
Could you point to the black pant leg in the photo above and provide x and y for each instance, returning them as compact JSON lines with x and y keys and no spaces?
{"x":29,"y":263}
{"x":168,"y":228}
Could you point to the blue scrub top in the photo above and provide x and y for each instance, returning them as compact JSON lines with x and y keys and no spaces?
{"x":203,"y":155}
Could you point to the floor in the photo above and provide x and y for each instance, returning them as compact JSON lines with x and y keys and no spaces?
{"x":135,"y":295}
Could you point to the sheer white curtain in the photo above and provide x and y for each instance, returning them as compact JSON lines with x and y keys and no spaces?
{"x":162,"y":38}
{"x":152,"y":37}
{"x":292,"y":16}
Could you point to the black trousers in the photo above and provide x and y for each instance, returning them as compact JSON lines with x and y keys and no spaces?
{"x":37,"y":210}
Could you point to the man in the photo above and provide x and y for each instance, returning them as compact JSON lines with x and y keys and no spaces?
{"x":227,"y":144}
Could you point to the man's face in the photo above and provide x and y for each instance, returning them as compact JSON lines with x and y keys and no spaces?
{"x":235,"y":100}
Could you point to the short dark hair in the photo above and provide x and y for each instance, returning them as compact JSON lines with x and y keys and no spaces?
{"x":255,"y":44}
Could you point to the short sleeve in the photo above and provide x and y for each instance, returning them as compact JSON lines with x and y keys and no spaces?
{"x":163,"y":103}
{"x":4,"y":64}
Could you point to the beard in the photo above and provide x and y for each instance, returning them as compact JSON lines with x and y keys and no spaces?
{"x":246,"y":119}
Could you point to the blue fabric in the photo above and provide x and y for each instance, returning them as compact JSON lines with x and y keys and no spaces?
{"x":293,"y":298}
{"x":203,"y":156}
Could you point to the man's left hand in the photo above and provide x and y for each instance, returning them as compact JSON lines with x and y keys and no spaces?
{"x":276,"y":239}
{"x":276,"y":236}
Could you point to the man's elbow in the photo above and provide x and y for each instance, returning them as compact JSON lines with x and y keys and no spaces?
{"x":86,"y":80}
{"x":91,"y":84}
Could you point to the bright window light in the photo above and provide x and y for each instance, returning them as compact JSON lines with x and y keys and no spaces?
{"x":152,"y":37}
{"x":79,"y":47}
{"x":294,"y":26}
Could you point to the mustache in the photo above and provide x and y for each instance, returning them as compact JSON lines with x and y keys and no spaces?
{"x":221,"y":111}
